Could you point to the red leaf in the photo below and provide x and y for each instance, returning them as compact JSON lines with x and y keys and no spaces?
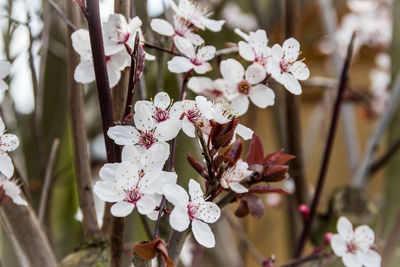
{"x":235,"y":151}
{"x":255,"y":206}
{"x":255,"y":154}
{"x":221,"y":134}
{"x":275,"y":173}
{"x":197,"y":166}
{"x":277,"y":158}
{"x":149,"y":250}
{"x":243,"y":209}
{"x":265,"y":189}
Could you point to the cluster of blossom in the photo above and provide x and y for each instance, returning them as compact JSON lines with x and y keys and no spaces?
{"x":355,"y":247}
{"x":139,"y":181}
{"x":117,"y":34}
{"x":371,"y":20}
{"x":8,"y":189}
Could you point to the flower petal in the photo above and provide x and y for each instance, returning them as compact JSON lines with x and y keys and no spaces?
{"x":338,"y":245}
{"x":180,"y":64}
{"x":364,"y":236}
{"x":9,"y":142}
{"x":188,"y":127}
{"x":155,"y":157}
{"x":369,"y":258}
{"x":6,"y":165}
{"x":108,"y":172}
{"x":168,"y":130}
{"x":122,"y":209}
{"x":208,"y":212}
{"x":123,"y":135}
{"x":262,"y":96}
{"x":255,"y":73}
{"x":345,"y":229}
{"x":246,"y":51}
{"x":203,"y":234}
{"x":206,"y":53}
{"x":300,"y":71}
{"x":126,"y":176}
{"x":179,"y":218}
{"x":184,"y":46}
{"x":245,"y":132}
{"x":84,"y":72}
{"x":291,"y":83}
{"x":203,"y":68}
{"x":351,"y":260}
{"x":194,"y":38}
{"x":232,"y":70}
{"x":106,"y":192}
{"x":143,"y":117}
{"x":213,"y":25}
{"x":195,"y":192}
{"x":162,"y":100}
{"x":176,"y":194}
{"x":81,"y":42}
{"x":199,"y":84}
{"x":146,"y":205}
{"x":238,"y":188}
{"x":291,"y":49}
{"x":131,"y":153}
{"x":240,"y":104}
{"x":162,"y":27}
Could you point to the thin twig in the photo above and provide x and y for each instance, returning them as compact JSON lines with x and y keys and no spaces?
{"x":361,"y":176}
{"x":328,"y":149}
{"x":380,"y":162}
{"x":311,"y":257}
{"x":60,"y":12}
{"x":159,"y":48}
{"x":78,"y":128}
{"x":47,"y":178}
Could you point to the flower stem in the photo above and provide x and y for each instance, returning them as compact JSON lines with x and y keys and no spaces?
{"x":328,"y":149}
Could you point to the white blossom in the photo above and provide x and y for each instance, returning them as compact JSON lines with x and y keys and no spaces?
{"x":207,"y":87}
{"x":235,"y":17}
{"x":242,"y":85}
{"x":84,"y":72}
{"x":255,"y":49}
{"x":154,"y":122}
{"x":234,"y":175}
{"x":9,"y":189}
{"x":284,"y":67}
{"x":192,"y":59}
{"x":197,"y":211}
{"x":135,"y":182}
{"x":180,"y":28}
{"x":4,"y":71}
{"x":196,"y":14}
{"x":8,"y":142}
{"x":355,"y":247}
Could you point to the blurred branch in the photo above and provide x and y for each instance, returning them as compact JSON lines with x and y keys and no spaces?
{"x":28,"y":234}
{"x":47,"y":178}
{"x":380,"y":162}
{"x":72,"y":26}
{"x":79,"y":139}
{"x":328,"y":149}
{"x":361,"y":176}
{"x":313,"y":256}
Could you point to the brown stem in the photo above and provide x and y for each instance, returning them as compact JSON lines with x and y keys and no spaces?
{"x":27,"y":232}
{"x":327,"y":152}
{"x":78,"y":128}
{"x":311,"y":257}
{"x":159,"y":48}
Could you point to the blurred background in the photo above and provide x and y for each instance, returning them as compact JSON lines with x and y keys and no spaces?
{"x":36,"y":109}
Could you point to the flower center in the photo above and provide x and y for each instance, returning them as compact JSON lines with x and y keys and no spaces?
{"x":192,"y":210}
{"x":285,"y":65}
{"x":133,"y":196}
{"x":161,"y":115}
{"x":196,"y":61}
{"x":193,"y":115}
{"x":352,"y":247}
{"x":147,"y":139}
{"x":214,"y":93}
{"x":244,"y":87}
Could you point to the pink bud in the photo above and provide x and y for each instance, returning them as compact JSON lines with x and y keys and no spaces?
{"x":304,"y":211}
{"x":267,"y":263}
{"x":327,"y":238}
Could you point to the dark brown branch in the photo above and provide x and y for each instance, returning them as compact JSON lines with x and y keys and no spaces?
{"x":381,"y":162}
{"x":159,"y":48}
{"x":327,"y":152}
{"x":79,"y":139}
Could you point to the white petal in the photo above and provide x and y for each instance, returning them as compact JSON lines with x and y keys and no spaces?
{"x":239,"y":32}
{"x":155,"y":157}
{"x":200,"y":84}
{"x":262,"y":96}
{"x":338,"y":245}
{"x":13,"y":191}
{"x":238,"y":188}
{"x":291,"y":49}
{"x":2,"y":126}
{"x":122,"y":209}
{"x":184,"y":46}
{"x":146,"y":205}
{"x":126,"y":176}
{"x":300,"y":71}
{"x":245,"y":132}
{"x":351,"y":260}
{"x":131,"y":153}
{"x":206,"y":53}
{"x":6,"y":165}
{"x":176,"y":194}
{"x":9,"y":142}
{"x":240,"y":104}
{"x":345,"y":229}
{"x":204,"y":106}
{"x":203,"y":68}
{"x":258,"y":40}
{"x":232,"y":70}
{"x":143,"y":117}
{"x":81,"y":42}
{"x":369,"y":258}
{"x":180,"y":64}
{"x":208,"y":212}
{"x":291,"y":83}
{"x":188,"y":127}
{"x":106,"y":192}
{"x":277,"y":52}
{"x":108,"y":171}
{"x":113,"y":76}
{"x":246,"y":51}
{"x":194,"y":38}
{"x":179,"y":218}
{"x":195,"y":192}
{"x":213,"y":25}
{"x":364,"y":236}
{"x":123,"y":135}
{"x":161,"y":26}
{"x":203,"y":234}
{"x":255,"y":73}
{"x":168,"y":130}
{"x":5,"y":67}
{"x":162,"y":100}
{"x":84,"y":72}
